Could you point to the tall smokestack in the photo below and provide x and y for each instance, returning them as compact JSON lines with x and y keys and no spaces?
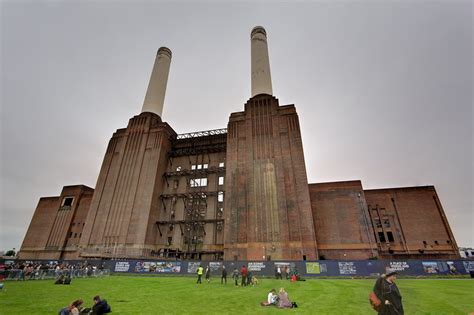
{"x":261,"y":78}
{"x":155,"y":94}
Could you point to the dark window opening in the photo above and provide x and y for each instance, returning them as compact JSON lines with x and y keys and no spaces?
{"x":67,"y":202}
{"x":269,"y":257}
{"x":436,"y":242}
{"x":381,"y":237}
{"x":170,"y":241}
{"x":304,"y":257}
{"x":70,"y":234}
{"x":75,"y":235}
{"x":378,"y":224}
{"x":386,"y":223}
{"x":390,"y":237}
{"x":448,"y":242}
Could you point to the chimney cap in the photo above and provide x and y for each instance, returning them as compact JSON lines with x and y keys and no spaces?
{"x":258,"y":29}
{"x":164,"y":51}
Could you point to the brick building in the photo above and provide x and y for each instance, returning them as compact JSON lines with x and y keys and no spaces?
{"x":239,"y":193}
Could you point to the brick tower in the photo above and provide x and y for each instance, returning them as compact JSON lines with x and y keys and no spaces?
{"x":268,"y":208}
{"x":125,"y":205}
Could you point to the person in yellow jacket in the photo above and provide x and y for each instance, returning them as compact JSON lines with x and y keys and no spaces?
{"x":200,"y":270}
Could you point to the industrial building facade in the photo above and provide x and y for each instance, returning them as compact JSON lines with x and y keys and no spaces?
{"x":239,"y":193}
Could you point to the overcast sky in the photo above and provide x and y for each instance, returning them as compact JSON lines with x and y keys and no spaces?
{"x":383,"y":90}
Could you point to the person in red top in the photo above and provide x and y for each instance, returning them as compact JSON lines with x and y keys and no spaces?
{"x":243,"y":273}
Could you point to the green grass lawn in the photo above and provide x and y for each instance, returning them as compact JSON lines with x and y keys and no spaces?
{"x":180,"y":295}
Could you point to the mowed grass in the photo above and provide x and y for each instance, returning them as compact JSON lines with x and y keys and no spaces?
{"x":181,"y":295}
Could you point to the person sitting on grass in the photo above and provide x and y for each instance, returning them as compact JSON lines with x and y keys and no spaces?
{"x":271,"y":299}
{"x":283,"y":299}
{"x":73,"y":309}
{"x":254,"y":281}
{"x":100,"y":306}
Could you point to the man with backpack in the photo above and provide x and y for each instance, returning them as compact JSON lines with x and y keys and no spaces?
{"x":386,"y":298}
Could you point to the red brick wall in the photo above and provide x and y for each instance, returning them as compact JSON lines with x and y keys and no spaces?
{"x":125,"y":205}
{"x":343,"y":229}
{"x":415,"y":216}
{"x":268,"y":210}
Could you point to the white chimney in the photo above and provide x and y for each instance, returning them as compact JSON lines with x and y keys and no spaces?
{"x":261,"y":78}
{"x":155,"y":94}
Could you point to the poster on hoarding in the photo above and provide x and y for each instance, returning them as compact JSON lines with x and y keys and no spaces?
{"x":468,"y":265}
{"x":122,"y":266}
{"x":193,"y":266}
{"x":168,"y":266}
{"x":397,"y":266}
{"x":347,"y":268}
{"x":430,"y":267}
{"x":256,"y":266}
{"x":316,"y":268}
{"x":215,"y":266}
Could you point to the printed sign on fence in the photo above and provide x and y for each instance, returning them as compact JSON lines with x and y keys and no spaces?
{"x":397,"y":266}
{"x":347,"y":268}
{"x":256,"y":266}
{"x":193,"y":266}
{"x":122,"y":266}
{"x":315,"y":268}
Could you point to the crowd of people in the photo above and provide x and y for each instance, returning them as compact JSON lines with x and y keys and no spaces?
{"x":39,"y":271}
{"x":99,"y":307}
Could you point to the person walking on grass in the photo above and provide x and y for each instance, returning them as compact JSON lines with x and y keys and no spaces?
{"x":208,"y":274}
{"x":224,"y":275}
{"x":235,"y":276}
{"x":243,"y":273}
{"x":387,"y":291}
{"x":199,"y":274}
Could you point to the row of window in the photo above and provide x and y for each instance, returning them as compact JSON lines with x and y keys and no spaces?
{"x":199,"y":166}
{"x":202,"y":182}
{"x":74,"y":235}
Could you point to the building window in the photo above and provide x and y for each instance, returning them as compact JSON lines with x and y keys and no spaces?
{"x":70,"y":234}
{"x":170,"y":241}
{"x":390,"y":237}
{"x":193,"y":167}
{"x":221,"y":180}
{"x":381,"y":237}
{"x":67,"y":201}
{"x":220,"y":196}
{"x":178,"y":169}
{"x":221,"y":164}
{"x":386,"y":222}
{"x":198,"y":182}
{"x":176,"y":183}
{"x":205,"y":165}
{"x":199,"y":166}
{"x":378,"y":224}
{"x":75,"y":235}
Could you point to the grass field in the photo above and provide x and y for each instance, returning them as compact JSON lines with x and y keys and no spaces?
{"x":180,"y":295}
